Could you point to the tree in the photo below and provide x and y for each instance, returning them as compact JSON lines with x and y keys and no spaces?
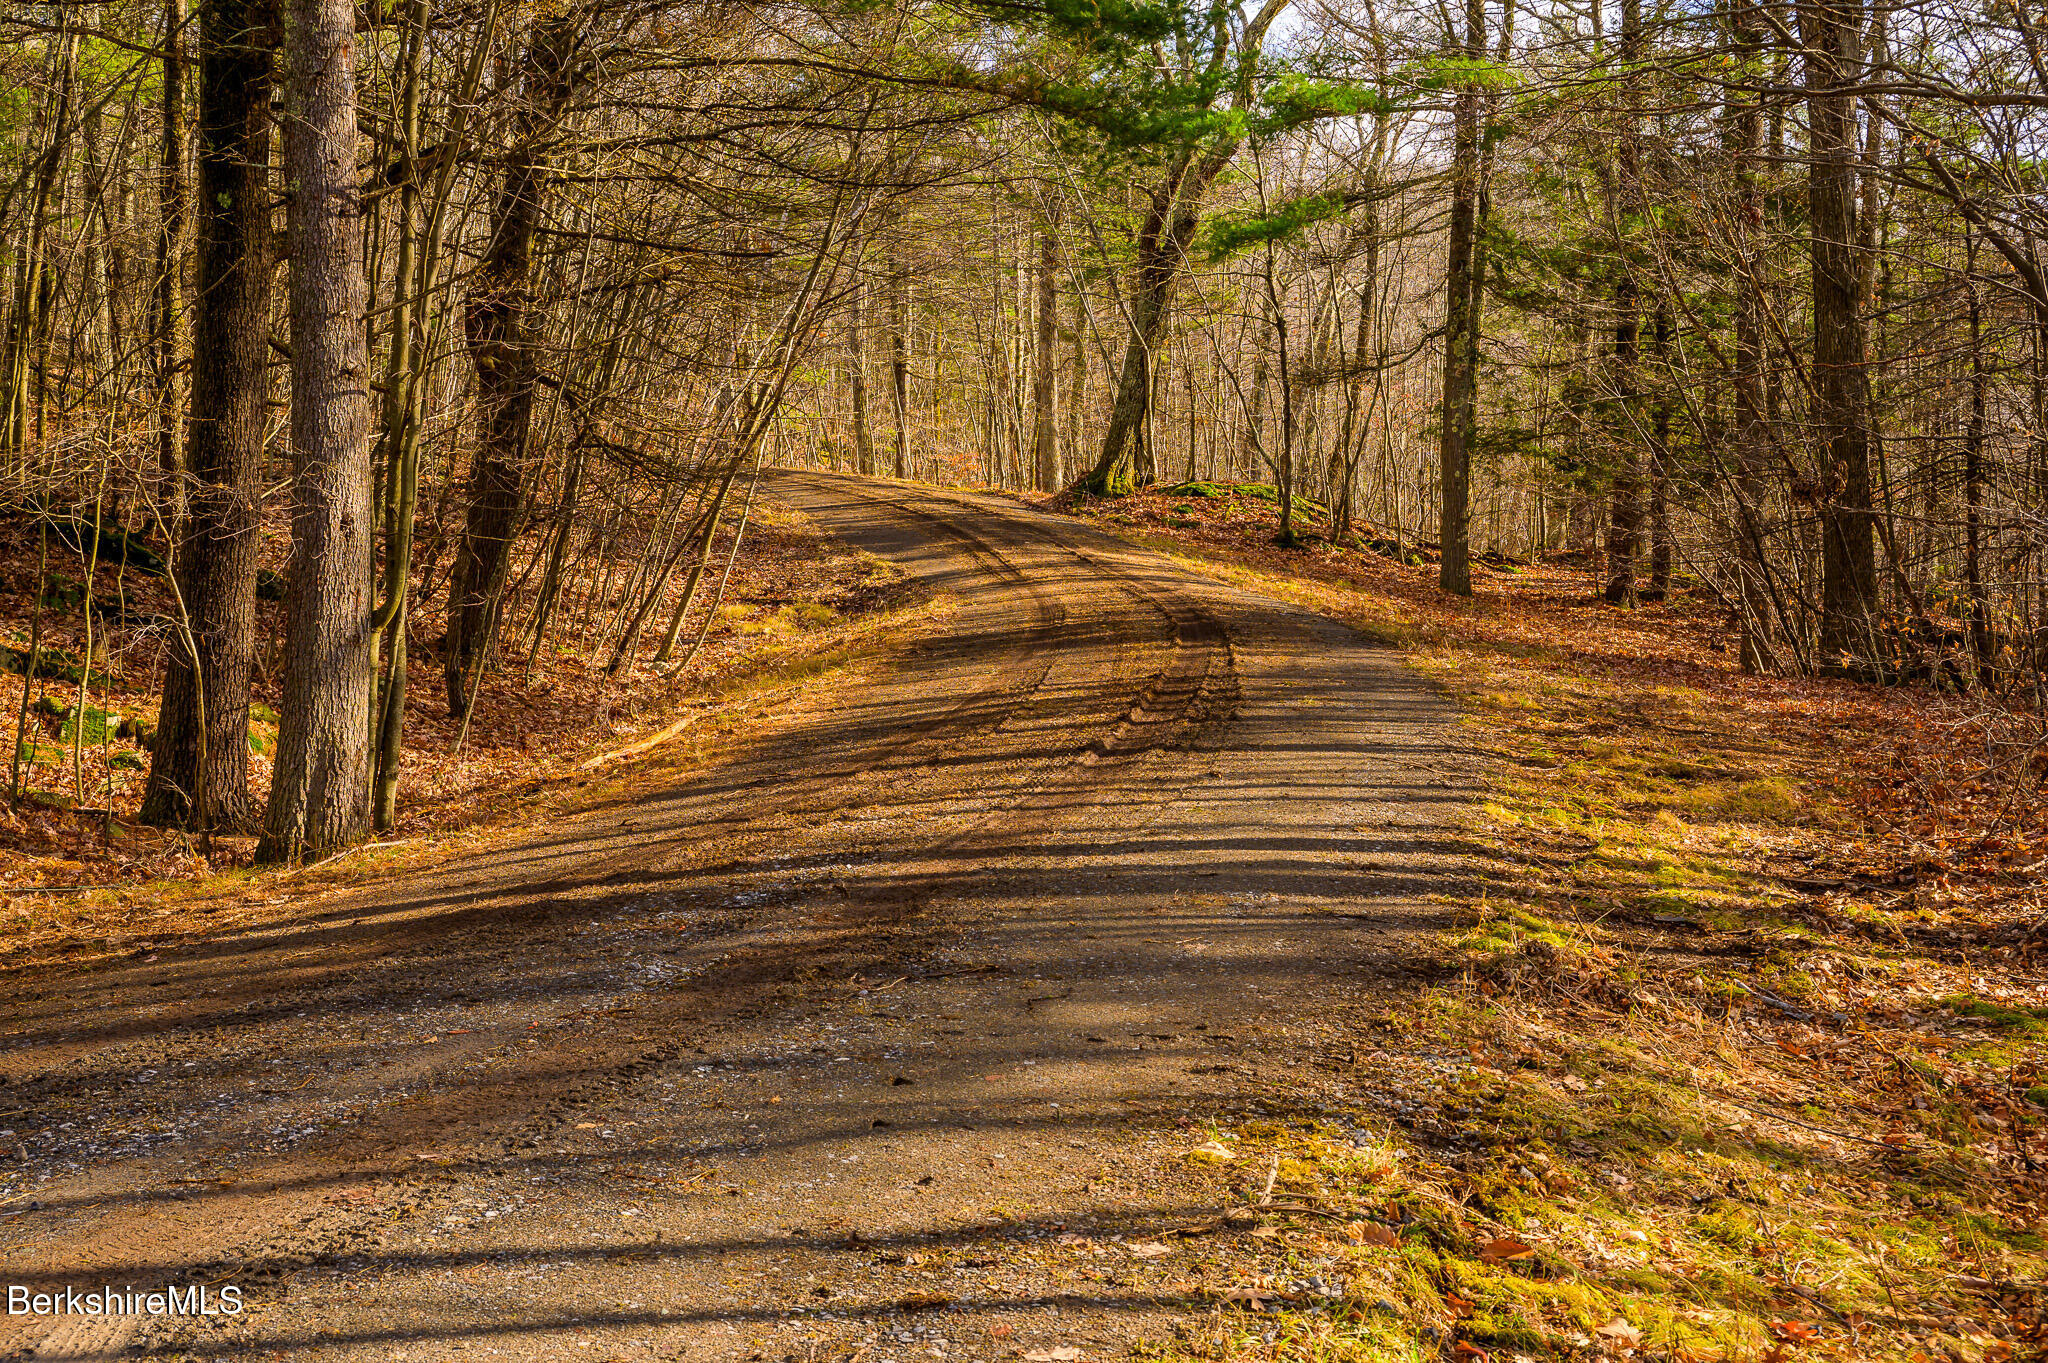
{"x":1830,"y":34}
{"x":1044,"y":437}
{"x":501,"y":324}
{"x":320,"y":789}
{"x":1459,"y":420}
{"x":199,"y":766}
{"x":1187,"y":117}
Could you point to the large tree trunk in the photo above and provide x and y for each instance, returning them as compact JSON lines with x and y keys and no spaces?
{"x":1171,"y":217}
{"x":1044,"y":439}
{"x":899,"y":365}
{"x":199,"y":769}
{"x":1625,"y":495}
{"x":1829,"y":31}
{"x":170,"y":252}
{"x":320,"y":790}
{"x":1745,"y":140}
{"x":502,"y":328}
{"x":857,"y":372}
{"x":1460,"y":415}
{"x":1117,"y":468}
{"x":1661,"y":548}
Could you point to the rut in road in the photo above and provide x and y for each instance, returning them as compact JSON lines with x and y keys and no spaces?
{"x":809,"y":1053}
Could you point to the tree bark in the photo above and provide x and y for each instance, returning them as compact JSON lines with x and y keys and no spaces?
{"x":1625,"y":495}
{"x":1171,"y":217}
{"x":1044,"y":438}
{"x":1460,"y":413}
{"x":320,"y":789}
{"x":1830,"y":33}
{"x":857,"y":373}
{"x":1660,"y":460}
{"x":899,"y":365}
{"x":199,"y":767}
{"x":502,"y":326}
{"x":1077,"y":381}
{"x":1745,"y":140}
{"x":170,"y":253}
{"x":1981,"y":645}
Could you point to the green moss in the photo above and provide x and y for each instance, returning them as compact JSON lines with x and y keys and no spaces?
{"x":1768,"y":800}
{"x":53,"y":663}
{"x":2014,"y":1018}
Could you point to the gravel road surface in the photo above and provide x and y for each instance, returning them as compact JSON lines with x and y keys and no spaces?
{"x":888,"y":1037}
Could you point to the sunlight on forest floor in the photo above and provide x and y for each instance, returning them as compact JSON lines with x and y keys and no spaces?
{"x":801,"y":607}
{"x":1752,"y":1036}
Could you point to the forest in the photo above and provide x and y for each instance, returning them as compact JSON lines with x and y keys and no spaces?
{"x":407,"y":316}
{"x":1258,"y":681}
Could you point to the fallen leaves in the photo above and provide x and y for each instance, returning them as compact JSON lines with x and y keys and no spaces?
{"x":1794,"y":1331}
{"x":1503,"y":1250}
{"x":530,"y":729}
{"x":1065,"y":1353}
{"x":1371,"y":1233}
{"x":1619,"y":1333}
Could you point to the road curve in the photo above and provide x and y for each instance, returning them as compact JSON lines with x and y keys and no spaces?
{"x":808,"y":1054}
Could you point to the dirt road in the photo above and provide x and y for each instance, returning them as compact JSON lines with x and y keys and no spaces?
{"x":889,"y":1038}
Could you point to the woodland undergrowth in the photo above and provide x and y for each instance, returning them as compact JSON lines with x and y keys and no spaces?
{"x":1739,"y":1057}
{"x":79,"y":876}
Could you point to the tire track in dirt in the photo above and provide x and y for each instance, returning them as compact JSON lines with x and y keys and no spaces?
{"x":1172,"y":709}
{"x":247,"y":1243}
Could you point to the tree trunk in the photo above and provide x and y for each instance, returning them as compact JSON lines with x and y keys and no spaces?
{"x":857,"y":371}
{"x":1044,"y":440}
{"x":1745,"y":134}
{"x":170,"y":254}
{"x":899,"y":364}
{"x":1981,"y":646}
{"x":1352,"y":436}
{"x":27,"y":329}
{"x":398,"y":448}
{"x":1829,"y":32}
{"x":1171,"y":217}
{"x":199,"y":767}
{"x":1077,"y":379}
{"x":1460,"y":413}
{"x":1660,"y":460}
{"x":1625,"y":495}
{"x":1252,"y":449}
{"x":320,"y":790}
{"x":502,"y":327}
